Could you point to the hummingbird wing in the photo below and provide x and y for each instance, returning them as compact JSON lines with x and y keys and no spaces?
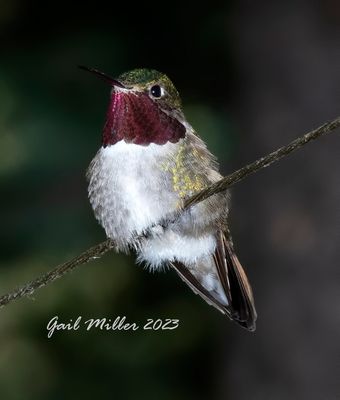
{"x":240,"y":305}
{"x":197,"y":287}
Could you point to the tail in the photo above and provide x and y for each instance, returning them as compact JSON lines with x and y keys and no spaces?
{"x":222,"y":283}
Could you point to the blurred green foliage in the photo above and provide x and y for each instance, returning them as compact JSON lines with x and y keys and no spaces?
{"x":51,"y":117}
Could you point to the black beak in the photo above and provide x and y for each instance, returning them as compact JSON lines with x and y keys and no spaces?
{"x":108,"y":79}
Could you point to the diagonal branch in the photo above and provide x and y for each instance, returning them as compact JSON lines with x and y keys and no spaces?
{"x":226,"y":182}
{"x":29,"y":288}
{"x":262,"y":162}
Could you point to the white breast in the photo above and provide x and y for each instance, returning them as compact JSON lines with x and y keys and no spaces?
{"x":129,"y":187}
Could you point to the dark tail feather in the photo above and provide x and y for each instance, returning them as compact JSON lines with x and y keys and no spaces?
{"x":235,"y":283}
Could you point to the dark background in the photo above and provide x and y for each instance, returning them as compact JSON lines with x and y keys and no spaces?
{"x":253,"y":76}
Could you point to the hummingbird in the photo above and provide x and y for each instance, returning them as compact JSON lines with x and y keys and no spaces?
{"x":150,"y":161}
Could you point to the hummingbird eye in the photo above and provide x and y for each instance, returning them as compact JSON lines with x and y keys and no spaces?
{"x":156,"y":91}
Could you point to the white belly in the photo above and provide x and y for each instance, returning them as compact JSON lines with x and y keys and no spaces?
{"x":172,"y":245}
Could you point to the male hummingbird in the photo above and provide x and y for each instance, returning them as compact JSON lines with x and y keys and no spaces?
{"x":151,"y":160}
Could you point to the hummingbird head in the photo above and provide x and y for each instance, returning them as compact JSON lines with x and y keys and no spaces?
{"x":144,"y":108}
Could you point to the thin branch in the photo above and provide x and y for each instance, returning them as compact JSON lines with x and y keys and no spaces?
{"x":29,"y":288}
{"x":226,"y":182}
{"x":263,"y":162}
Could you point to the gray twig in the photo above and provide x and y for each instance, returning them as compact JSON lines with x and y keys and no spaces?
{"x":57,"y":272}
{"x":226,"y":182}
{"x":262,"y":162}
